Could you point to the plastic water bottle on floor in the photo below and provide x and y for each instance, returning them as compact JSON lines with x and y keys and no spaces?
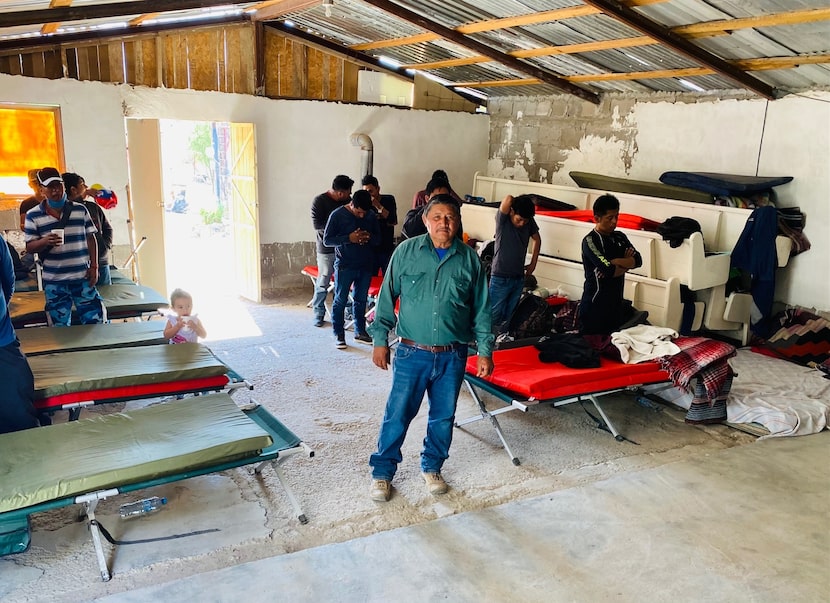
{"x":141,"y":507}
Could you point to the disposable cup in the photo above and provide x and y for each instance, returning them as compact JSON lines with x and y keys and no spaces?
{"x":59,"y":232}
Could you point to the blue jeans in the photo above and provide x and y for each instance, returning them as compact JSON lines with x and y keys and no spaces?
{"x":414,"y":373}
{"x":61,"y":295}
{"x":104,"y":275}
{"x":343,"y":281}
{"x":504,"y":295}
{"x":325,"y":269}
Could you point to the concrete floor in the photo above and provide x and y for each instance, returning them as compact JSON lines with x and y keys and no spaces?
{"x":747,"y":523}
{"x":692,"y":513}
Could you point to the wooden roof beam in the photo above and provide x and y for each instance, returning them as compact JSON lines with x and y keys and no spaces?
{"x":50,"y":28}
{"x":101,"y":11}
{"x":266,"y":11}
{"x":693,"y":31}
{"x":478,"y":47}
{"x":547,"y":16}
{"x":682,"y":45}
{"x":760,"y":64}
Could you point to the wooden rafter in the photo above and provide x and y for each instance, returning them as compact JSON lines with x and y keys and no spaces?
{"x":142,"y":19}
{"x":50,"y":28}
{"x":693,"y":31}
{"x":266,"y":11}
{"x":101,"y":11}
{"x":682,"y":45}
{"x":475,"y":46}
{"x":758,"y":64}
{"x":558,"y":14}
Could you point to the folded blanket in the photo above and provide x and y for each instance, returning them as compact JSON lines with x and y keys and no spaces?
{"x":644,"y":342}
{"x":703,"y":358}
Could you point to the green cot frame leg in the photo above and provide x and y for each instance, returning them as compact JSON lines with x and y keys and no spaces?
{"x":15,"y":528}
{"x":90,"y":502}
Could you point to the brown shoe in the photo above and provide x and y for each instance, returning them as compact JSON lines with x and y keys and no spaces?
{"x":381,"y":490}
{"x":435,"y":483}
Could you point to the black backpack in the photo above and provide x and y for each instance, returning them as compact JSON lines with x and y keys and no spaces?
{"x":532,"y":317}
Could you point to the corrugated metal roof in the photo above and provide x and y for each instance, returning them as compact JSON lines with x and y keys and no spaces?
{"x":354,"y":22}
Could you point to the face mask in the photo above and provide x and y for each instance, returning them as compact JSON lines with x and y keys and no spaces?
{"x":57,"y":204}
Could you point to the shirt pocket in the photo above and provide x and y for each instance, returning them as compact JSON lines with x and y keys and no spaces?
{"x":413,"y":286}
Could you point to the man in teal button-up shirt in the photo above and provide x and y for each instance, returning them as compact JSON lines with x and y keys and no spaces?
{"x":444,"y":305}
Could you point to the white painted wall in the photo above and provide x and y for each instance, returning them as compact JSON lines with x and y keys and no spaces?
{"x":376,"y":87}
{"x":301,"y":145}
{"x":785,"y":137}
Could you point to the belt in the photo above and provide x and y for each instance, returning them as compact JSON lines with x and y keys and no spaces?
{"x":431,"y":348}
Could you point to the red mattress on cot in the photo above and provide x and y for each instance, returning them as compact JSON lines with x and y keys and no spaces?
{"x":374,"y":286}
{"x":134,"y":392}
{"x":632,"y":221}
{"x":520,"y":371}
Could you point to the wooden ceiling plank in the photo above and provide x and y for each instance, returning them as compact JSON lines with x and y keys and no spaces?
{"x":416,"y":39}
{"x":267,"y":11}
{"x":100,"y":11}
{"x":693,"y":31}
{"x":682,"y":45}
{"x":585,"y":47}
{"x":558,"y":14}
{"x":448,"y":63}
{"x":141,"y":19}
{"x":643,"y":75}
{"x":50,"y":28}
{"x":499,"y":83}
{"x":771,"y":20}
{"x":759,"y":64}
{"x":769,"y":63}
{"x":478,"y":47}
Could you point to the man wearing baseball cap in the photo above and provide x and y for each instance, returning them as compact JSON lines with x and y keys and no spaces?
{"x":62,"y":234}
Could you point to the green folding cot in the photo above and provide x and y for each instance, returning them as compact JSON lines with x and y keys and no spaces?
{"x":73,"y":380}
{"x":83,"y":462}
{"x":47,"y":340}
{"x":26,"y":308}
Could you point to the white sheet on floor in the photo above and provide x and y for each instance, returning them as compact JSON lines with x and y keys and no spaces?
{"x":786,"y":398}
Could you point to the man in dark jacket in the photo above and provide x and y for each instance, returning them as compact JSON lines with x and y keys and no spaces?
{"x":607,"y":255}
{"x":321,"y":208}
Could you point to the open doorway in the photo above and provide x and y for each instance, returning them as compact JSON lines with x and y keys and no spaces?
{"x":197,"y":206}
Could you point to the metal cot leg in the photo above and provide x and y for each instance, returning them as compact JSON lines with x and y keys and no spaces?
{"x":485,"y":414}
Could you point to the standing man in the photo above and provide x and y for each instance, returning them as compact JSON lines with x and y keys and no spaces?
{"x":63,"y":235}
{"x":386,"y":211}
{"x":353,"y":232}
{"x":321,"y":208}
{"x":18,"y":391}
{"x":421,"y":198}
{"x":442,"y":289}
{"x":77,"y":191}
{"x":607,"y":255}
{"x":37,"y":195}
{"x":515,"y":227}
{"x":413,"y":223}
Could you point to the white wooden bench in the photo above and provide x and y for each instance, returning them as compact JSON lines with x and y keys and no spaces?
{"x":562,"y":238}
{"x":702,"y":264}
{"x":660,"y":298}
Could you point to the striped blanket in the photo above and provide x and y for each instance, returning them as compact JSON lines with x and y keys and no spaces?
{"x":699,"y":357}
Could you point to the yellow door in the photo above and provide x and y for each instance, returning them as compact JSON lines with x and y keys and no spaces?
{"x":245,"y":211}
